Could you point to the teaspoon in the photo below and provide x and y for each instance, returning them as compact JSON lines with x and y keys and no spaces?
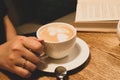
{"x":60,"y":72}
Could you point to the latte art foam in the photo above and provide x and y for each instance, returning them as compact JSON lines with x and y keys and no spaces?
{"x":56,"y":33}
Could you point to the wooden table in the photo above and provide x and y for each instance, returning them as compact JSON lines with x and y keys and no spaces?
{"x":103,"y":63}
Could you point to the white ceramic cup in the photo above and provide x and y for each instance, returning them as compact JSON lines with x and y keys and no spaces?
{"x":118,"y":30}
{"x":60,"y":49}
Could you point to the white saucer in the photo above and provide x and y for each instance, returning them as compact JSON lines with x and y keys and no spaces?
{"x":76,"y":58}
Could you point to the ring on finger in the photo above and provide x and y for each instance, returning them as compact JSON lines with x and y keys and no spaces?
{"x":23,"y":63}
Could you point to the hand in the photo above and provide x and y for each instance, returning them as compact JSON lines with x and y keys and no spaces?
{"x":16,"y":57}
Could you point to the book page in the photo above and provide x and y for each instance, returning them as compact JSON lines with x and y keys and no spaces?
{"x":97,"y":10}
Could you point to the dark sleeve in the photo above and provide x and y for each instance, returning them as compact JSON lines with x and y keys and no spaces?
{"x":3,"y":12}
{"x":3,"y":9}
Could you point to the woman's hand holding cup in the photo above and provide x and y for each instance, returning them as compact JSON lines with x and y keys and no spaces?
{"x":19,"y":55}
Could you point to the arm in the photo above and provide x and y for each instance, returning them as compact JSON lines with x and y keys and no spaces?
{"x":15,"y":55}
{"x":10,"y":30}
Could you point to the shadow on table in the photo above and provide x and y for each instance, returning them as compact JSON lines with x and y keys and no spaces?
{"x":39,"y":74}
{"x":30,"y":34}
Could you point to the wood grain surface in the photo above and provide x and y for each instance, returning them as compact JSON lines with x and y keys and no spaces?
{"x":103,"y":63}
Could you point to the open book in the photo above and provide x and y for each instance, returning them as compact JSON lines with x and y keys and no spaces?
{"x":97,"y":15}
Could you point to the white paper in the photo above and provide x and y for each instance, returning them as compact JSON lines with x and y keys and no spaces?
{"x":97,"y":10}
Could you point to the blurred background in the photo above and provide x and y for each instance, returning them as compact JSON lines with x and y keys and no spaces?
{"x":31,"y":14}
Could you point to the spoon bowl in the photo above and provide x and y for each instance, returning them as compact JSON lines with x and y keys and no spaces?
{"x":60,"y":72}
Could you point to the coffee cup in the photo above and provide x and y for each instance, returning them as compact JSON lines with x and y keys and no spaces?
{"x":59,"y":38}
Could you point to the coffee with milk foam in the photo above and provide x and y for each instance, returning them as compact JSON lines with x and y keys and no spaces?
{"x":56,"y":33}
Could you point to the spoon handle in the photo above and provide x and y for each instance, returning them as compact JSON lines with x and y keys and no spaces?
{"x":60,"y":78}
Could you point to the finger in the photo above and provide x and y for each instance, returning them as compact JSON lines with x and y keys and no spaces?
{"x":22,"y":72}
{"x":20,"y":62}
{"x":28,"y":55}
{"x":33,"y":44}
{"x":26,"y":64}
{"x":40,"y":40}
{"x":30,"y":66}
